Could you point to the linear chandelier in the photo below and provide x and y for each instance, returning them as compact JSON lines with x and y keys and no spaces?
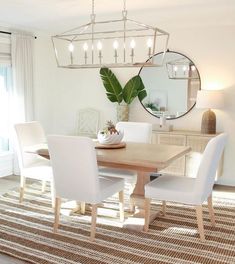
{"x":181,"y":69}
{"x":113,"y":43}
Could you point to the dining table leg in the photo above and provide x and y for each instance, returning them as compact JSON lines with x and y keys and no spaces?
{"x":138,"y":192}
{"x":137,"y":199}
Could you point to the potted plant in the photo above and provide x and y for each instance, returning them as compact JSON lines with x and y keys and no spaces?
{"x":123,"y":96}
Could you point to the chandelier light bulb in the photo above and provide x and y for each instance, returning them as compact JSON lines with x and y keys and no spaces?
{"x":132,"y":44}
{"x":184,"y":68}
{"x":99,"y":45}
{"x":149,"y":43}
{"x":85,"y":46}
{"x":115,"y":44}
{"x":71,"y":47}
{"x":175,"y":68}
{"x":193,"y":68}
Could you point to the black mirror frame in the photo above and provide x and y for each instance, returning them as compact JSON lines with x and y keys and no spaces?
{"x":172,"y":118}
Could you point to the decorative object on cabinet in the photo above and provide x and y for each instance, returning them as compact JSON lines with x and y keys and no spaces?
{"x":172,"y":97}
{"x":187,"y":165}
{"x":209,"y":99}
{"x":89,"y":45}
{"x":165,"y":127}
{"x":123,"y":96}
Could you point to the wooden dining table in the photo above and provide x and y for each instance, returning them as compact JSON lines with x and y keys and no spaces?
{"x":142,"y":158}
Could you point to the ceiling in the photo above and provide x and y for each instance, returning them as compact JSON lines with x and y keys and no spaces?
{"x":59,"y":15}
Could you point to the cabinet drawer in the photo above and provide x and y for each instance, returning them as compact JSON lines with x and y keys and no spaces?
{"x":197,"y":143}
{"x":172,"y":139}
{"x":189,"y":164}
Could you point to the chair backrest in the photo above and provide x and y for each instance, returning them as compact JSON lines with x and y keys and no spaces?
{"x":208,"y":166}
{"x":74,"y":164}
{"x":28,"y":134}
{"x":88,"y":122}
{"x":136,"y":131}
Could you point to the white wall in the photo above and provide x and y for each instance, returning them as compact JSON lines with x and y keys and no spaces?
{"x":59,"y":93}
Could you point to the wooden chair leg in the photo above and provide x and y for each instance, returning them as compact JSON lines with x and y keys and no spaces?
{"x":93,"y":221}
{"x":52,"y":194}
{"x":211,"y":210}
{"x":131,"y":200}
{"x":121,"y":205}
{"x":44,"y":183}
{"x":200,"y":222}
{"x":83,"y":207}
{"x":132,"y":205}
{"x":57,"y":213}
{"x":163,"y":208}
{"x":147,"y":213}
{"x":22,"y":188}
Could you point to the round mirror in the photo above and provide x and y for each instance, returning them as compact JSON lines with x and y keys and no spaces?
{"x":172,"y":88}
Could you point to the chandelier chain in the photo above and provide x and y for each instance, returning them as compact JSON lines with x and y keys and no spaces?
{"x":92,"y":12}
{"x":124,"y":5}
{"x":124,"y":11}
{"x":93,"y":7}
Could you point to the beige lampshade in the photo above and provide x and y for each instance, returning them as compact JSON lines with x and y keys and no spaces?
{"x":210,"y":99}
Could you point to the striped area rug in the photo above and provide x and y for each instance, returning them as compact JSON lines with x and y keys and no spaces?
{"x":26,"y":233}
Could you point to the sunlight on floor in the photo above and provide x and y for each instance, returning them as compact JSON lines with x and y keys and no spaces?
{"x":181,"y":231}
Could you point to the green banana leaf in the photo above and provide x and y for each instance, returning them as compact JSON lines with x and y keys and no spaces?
{"x":112,"y":85}
{"x":141,"y":90}
{"x":133,"y":88}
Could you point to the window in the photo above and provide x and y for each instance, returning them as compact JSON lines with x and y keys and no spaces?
{"x":5,"y":87}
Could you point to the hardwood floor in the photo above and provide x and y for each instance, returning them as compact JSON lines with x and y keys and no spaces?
{"x":5,"y":259}
{"x":10,"y":182}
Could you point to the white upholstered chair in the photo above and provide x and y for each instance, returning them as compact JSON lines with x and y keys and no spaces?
{"x":136,"y":131}
{"x":192,"y":191}
{"x":31,"y":165}
{"x":88,"y":122}
{"x":76,"y":176}
{"x":139,"y":132}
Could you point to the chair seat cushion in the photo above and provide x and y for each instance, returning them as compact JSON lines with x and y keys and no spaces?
{"x":173,"y":188}
{"x":129,"y":176}
{"x":108,"y":187}
{"x":39,"y":170}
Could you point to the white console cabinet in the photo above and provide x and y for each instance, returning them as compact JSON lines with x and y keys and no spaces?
{"x":187,"y":165}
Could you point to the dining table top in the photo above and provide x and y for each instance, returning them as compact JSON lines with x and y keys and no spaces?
{"x":134,"y":156}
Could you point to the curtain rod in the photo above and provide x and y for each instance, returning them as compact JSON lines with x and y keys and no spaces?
{"x":9,"y":33}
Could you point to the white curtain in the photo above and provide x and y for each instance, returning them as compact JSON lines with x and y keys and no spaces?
{"x":22,"y":106}
{"x":22,"y":69}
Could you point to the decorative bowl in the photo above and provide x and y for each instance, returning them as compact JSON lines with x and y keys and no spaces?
{"x":107,"y":138}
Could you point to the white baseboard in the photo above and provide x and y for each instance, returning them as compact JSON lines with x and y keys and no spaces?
{"x":6,"y":163}
{"x":226,"y":181}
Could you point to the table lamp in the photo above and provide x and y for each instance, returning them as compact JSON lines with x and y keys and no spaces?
{"x":209,"y":99}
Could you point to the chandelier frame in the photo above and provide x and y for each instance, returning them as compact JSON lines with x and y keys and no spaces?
{"x":88,"y":33}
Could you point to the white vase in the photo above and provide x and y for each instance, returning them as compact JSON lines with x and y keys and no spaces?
{"x":122,"y":112}
{"x":114,"y":138}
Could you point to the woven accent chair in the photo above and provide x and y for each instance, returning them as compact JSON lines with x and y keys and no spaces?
{"x":88,"y":122}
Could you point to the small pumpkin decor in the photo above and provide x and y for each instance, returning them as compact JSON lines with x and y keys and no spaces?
{"x":123,"y":96}
{"x":110,"y":135}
